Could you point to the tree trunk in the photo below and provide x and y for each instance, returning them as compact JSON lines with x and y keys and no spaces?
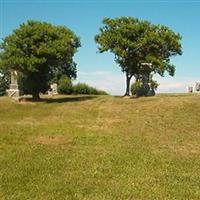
{"x":36,"y":96}
{"x":128,"y":80}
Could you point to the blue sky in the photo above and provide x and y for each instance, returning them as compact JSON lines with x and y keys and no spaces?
{"x":85,"y":17}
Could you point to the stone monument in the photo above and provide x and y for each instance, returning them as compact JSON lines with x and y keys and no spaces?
{"x":13,"y":91}
{"x":53,"y":89}
{"x":190,"y":89}
{"x":197,"y":86}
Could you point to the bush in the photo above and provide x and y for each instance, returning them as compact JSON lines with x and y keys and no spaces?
{"x":65,"y":85}
{"x":83,"y":88}
{"x":153,"y":84}
{"x":135,"y":87}
{"x":101,"y":92}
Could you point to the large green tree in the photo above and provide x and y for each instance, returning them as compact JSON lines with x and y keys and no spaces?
{"x":4,"y":81}
{"x":140,"y":47}
{"x":39,"y":52}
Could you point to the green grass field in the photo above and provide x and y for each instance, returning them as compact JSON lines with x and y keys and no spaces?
{"x":100,"y":148}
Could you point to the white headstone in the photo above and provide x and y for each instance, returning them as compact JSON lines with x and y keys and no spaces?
{"x":53,"y":89}
{"x":190,"y":89}
{"x":13,"y":91}
{"x":197,"y":86}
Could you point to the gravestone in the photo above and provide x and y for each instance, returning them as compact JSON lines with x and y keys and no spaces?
{"x":13,"y":91}
{"x":197,"y":86}
{"x":190,"y":89}
{"x":53,"y":89}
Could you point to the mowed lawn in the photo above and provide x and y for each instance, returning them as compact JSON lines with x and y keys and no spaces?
{"x":100,"y":148}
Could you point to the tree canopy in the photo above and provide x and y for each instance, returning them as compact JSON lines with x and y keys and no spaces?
{"x":39,"y":52}
{"x":4,"y":81}
{"x":139,"y":46}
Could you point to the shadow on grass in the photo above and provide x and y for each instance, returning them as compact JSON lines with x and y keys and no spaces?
{"x":68,"y":99}
{"x":58,"y":99}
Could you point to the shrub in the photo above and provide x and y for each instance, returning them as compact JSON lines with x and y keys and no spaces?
{"x":83,"y":88}
{"x":135,"y":87}
{"x":102,"y":92}
{"x":65,"y":85}
{"x":153,"y":84}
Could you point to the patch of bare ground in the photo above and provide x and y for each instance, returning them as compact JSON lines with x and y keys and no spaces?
{"x":52,"y":140}
{"x":184,"y":150}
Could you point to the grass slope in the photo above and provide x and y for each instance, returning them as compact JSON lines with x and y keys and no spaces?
{"x":100,"y":148}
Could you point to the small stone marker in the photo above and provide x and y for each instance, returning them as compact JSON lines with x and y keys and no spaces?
{"x":190,"y":89}
{"x":13,"y":91}
{"x":197,"y":86}
{"x":53,"y":90}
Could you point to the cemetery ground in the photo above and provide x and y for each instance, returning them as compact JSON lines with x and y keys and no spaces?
{"x":100,"y":148}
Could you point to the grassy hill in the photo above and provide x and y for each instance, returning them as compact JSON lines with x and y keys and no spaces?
{"x":100,"y":148}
